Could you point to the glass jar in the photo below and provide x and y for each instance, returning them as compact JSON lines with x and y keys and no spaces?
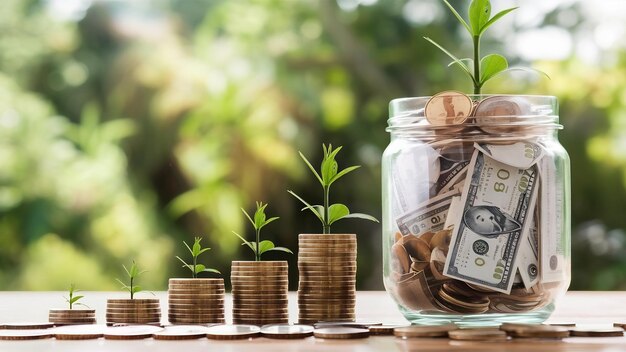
{"x":476,"y":210}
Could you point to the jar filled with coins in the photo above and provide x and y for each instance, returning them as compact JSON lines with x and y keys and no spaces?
{"x":476,"y":208}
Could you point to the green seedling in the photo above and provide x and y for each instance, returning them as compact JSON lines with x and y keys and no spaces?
{"x":72,"y":299}
{"x":258,"y":222}
{"x":195,"y":267}
{"x":489,"y":66}
{"x":329,"y":173}
{"x":132,"y":273}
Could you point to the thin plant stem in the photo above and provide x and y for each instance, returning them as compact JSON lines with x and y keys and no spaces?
{"x":326,"y":227}
{"x":477,"y":85}
{"x":257,"y":253}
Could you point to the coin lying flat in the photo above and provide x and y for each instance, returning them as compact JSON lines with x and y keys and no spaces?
{"x":341,"y":333}
{"x":79,"y":332}
{"x":30,"y":334}
{"x":131,"y":332}
{"x":479,"y":334}
{"x":348,"y":324}
{"x":606,"y":332}
{"x":424,"y":330}
{"x":286,"y":331}
{"x":233,"y":332}
{"x":26,"y":326}
{"x":535,"y":331}
{"x":383,"y":329}
{"x":181,"y":332}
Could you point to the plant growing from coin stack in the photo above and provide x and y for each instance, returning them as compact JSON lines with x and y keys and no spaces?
{"x":72,"y":299}
{"x":258,"y":222}
{"x":489,"y":66}
{"x":132,"y":273}
{"x":329,"y":173}
{"x":195,"y":251}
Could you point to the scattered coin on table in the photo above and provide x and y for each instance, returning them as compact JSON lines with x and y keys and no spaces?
{"x":286,"y":331}
{"x":342,"y":333}
{"x":131,"y":332}
{"x":535,"y":331}
{"x":181,"y":332}
{"x":477,"y":334}
{"x":79,"y":332}
{"x":26,"y":326}
{"x":30,"y":334}
{"x":384,"y":329}
{"x":233,"y":332}
{"x":597,"y":332}
{"x":424,"y":330}
{"x":348,"y":324}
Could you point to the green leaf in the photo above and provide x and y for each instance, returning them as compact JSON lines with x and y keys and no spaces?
{"x":249,"y":244}
{"x":470,"y":62}
{"x":259,"y":215}
{"x":329,"y":165}
{"x":196,"y":248}
{"x":336,"y":212}
{"x":312,"y":168}
{"x":281,"y":249}
{"x":75,"y":298}
{"x":491,"y":65}
{"x":265,"y":246}
{"x":495,"y":18}
{"x":361,"y":216}
{"x":184,"y":263}
{"x":249,"y":218}
{"x":479,"y":13}
{"x":269,"y":221}
{"x":343,"y":173}
{"x":189,"y":248}
{"x":454,"y":58}
{"x":524,"y":69}
{"x":211,"y":270}
{"x":308,"y":206}
{"x":136,"y":289}
{"x":203,"y":250}
{"x":458,"y":17}
{"x":200,"y":268}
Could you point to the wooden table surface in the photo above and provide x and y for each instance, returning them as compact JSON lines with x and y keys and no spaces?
{"x":598,"y":309}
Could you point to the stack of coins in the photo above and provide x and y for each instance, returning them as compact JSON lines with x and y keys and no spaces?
{"x":327,"y":268}
{"x":196,"y":301}
{"x":133,"y":311}
{"x":259,"y":292}
{"x":72,"y":316}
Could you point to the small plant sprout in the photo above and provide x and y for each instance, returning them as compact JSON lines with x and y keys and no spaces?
{"x":132,"y":273}
{"x":491,"y":65}
{"x":195,"y":251}
{"x":260,"y":220}
{"x":329,"y":173}
{"x":72,"y":299}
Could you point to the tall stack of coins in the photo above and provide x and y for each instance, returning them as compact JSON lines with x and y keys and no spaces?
{"x":259,"y":292}
{"x":327,"y":268}
{"x":196,"y":301}
{"x":133,"y":311}
{"x":72,"y":316}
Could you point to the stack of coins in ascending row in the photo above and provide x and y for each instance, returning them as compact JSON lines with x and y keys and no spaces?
{"x":133,"y":311}
{"x":196,"y":301}
{"x":72,"y":316}
{"x":259,"y":292}
{"x":327,"y":268}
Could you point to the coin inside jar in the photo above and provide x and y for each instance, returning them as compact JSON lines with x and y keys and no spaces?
{"x":448,"y":108}
{"x":417,"y":248}
{"x":401,"y":261}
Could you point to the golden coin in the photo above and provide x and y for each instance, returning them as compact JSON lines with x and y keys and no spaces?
{"x":286,"y":331}
{"x":341,"y":333}
{"x":478,"y":334}
{"x":73,"y":311}
{"x":424,"y":330}
{"x":606,"y":332}
{"x":30,"y":334}
{"x":181,"y":332}
{"x":448,"y":108}
{"x":79,"y":332}
{"x":534,"y":330}
{"x":385,"y":329}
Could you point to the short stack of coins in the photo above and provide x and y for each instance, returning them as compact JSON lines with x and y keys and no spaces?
{"x":133,"y":311}
{"x":72,"y":316}
{"x":327,"y":269}
{"x":196,"y":301}
{"x":259,"y":291}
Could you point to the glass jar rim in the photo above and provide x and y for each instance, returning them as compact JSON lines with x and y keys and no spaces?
{"x":407,"y":114}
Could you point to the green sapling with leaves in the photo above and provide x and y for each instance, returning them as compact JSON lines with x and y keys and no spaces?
{"x":132,"y":273}
{"x":329,"y":173}
{"x":258,"y":222}
{"x":489,"y":66}
{"x":72,"y":299}
{"x":195,"y":251}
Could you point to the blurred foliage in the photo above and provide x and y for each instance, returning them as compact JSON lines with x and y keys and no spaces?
{"x":133,"y":126}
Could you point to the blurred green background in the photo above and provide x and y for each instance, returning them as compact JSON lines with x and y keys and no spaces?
{"x":127,"y":127}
